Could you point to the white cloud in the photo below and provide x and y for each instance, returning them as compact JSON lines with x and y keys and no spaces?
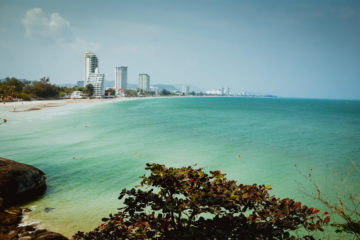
{"x":38,"y":25}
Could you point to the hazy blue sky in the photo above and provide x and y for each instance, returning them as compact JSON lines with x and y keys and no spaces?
{"x":288,"y":48}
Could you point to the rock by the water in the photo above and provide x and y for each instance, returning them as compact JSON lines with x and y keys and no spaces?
{"x":49,"y":236}
{"x":19,"y":182}
{"x":10,"y":229}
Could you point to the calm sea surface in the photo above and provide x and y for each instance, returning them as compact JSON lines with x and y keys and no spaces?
{"x":91,"y":151}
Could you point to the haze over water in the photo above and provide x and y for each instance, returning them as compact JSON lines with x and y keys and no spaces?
{"x":90,"y":152}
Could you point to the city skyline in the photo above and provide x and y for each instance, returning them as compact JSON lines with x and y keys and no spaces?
{"x":286,"y":48}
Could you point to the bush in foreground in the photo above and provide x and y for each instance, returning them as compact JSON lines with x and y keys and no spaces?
{"x":187,"y":203}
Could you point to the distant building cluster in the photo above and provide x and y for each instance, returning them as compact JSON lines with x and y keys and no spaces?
{"x":93,"y":76}
{"x":219,"y":92}
{"x":185,"y":90}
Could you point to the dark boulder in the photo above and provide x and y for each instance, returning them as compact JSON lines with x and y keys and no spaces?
{"x":10,"y":219}
{"x":49,"y":236}
{"x":19,"y":182}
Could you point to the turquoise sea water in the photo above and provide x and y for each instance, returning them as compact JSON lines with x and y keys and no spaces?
{"x":91,"y":151}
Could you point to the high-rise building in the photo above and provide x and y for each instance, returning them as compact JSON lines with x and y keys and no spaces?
{"x":120,"y":78}
{"x":144,"y":82}
{"x":154,"y":89}
{"x":185,"y":90}
{"x":227,"y":91}
{"x":97,"y":80}
{"x":91,"y":63}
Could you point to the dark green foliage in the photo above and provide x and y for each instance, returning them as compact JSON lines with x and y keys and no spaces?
{"x":111,"y":91}
{"x":15,"y":84}
{"x":89,"y":89}
{"x":42,"y":89}
{"x":67,"y":91}
{"x":12,"y":88}
{"x":352,"y":227}
{"x":131,"y":93}
{"x":187,"y":203}
{"x":24,"y":96}
{"x":45,"y":79}
{"x":165,"y":92}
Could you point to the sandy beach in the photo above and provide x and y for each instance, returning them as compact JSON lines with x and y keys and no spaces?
{"x":10,"y":111}
{"x":24,"y":106}
{"x":16,"y":110}
{"x":36,"y":105}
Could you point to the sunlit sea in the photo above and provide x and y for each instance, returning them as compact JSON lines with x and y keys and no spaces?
{"x":91,"y":151}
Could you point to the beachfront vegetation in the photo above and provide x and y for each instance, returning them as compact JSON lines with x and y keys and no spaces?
{"x":165,"y":92}
{"x":66,"y":91}
{"x":346,"y":204}
{"x":131,"y":93}
{"x":89,"y":89}
{"x":110,"y":92}
{"x":12,"y":88}
{"x":42,"y":89}
{"x":187,"y":203}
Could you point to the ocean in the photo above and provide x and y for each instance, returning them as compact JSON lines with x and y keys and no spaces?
{"x":92,"y":151}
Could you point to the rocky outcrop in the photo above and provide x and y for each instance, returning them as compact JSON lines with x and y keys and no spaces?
{"x":10,"y":219}
{"x":19,"y":182}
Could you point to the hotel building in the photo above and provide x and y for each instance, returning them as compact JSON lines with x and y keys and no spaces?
{"x":97,"y":80}
{"x":144,"y":82}
{"x":91,"y":63}
{"x":120,"y":78}
{"x":185,"y":90}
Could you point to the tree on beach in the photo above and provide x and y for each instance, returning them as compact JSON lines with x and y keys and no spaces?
{"x":187,"y":203}
{"x":165,"y":92}
{"x":42,"y":89}
{"x":45,"y":79}
{"x":11,"y":87}
{"x":17,"y":85}
{"x":110,"y":92}
{"x":131,"y":93}
{"x":89,"y":89}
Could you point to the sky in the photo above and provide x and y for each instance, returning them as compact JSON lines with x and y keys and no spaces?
{"x":288,"y":48}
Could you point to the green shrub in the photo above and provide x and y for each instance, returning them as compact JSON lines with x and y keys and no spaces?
{"x":24,"y":96}
{"x":187,"y":203}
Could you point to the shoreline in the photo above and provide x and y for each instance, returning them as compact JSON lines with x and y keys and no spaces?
{"x":44,"y":107}
{"x":26,"y":106}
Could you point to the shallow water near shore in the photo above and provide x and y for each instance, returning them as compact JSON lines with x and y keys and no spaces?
{"x":90,"y":152}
